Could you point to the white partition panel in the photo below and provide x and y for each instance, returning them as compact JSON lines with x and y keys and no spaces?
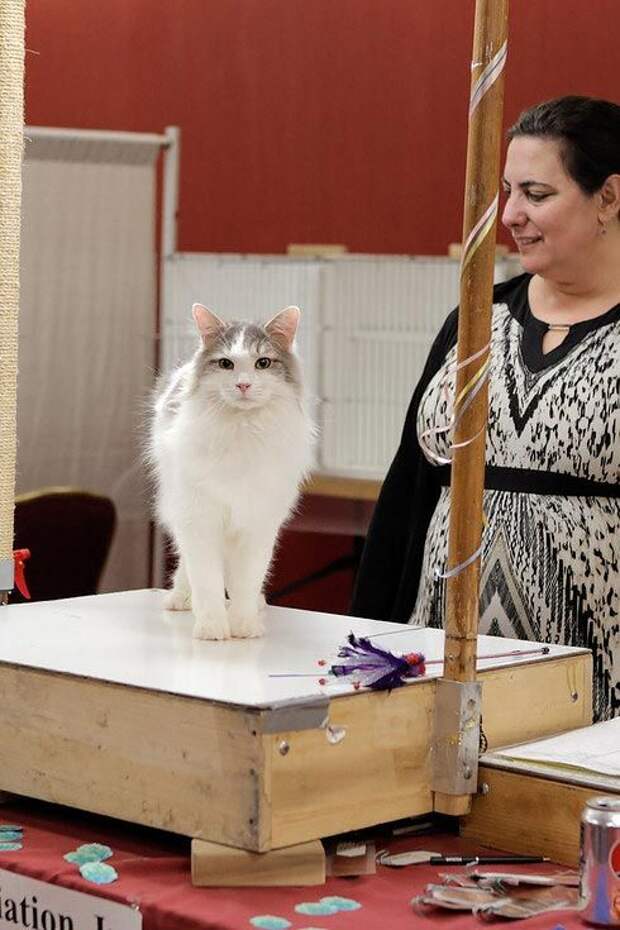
{"x":380,"y":316}
{"x":390,"y":293}
{"x":87,"y":325}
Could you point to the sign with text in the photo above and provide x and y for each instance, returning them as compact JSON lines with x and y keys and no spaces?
{"x":28,"y":904}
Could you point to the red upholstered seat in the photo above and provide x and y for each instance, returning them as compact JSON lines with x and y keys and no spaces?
{"x":68,"y":532}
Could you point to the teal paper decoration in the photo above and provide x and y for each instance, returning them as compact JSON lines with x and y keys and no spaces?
{"x":98,"y":872}
{"x":97,"y":851}
{"x":74,"y":858}
{"x":327,"y":906}
{"x":88,"y":858}
{"x":89,"y":852}
{"x":315,"y":908}
{"x":270,"y":922}
{"x":342,"y":904}
{"x":11,"y":837}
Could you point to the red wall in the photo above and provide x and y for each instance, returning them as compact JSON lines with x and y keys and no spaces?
{"x":306,"y":120}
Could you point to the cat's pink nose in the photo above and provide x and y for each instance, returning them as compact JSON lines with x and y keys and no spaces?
{"x":243,"y":386}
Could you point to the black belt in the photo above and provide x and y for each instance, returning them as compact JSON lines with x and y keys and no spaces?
{"x":530,"y":481}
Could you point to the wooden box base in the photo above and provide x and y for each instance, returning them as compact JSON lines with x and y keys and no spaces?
{"x":256,"y":777}
{"x":213,"y":865}
{"x":530,"y":815}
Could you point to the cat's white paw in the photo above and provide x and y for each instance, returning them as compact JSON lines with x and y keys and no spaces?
{"x":211,"y":625}
{"x":261,"y":603}
{"x":245,"y":624}
{"x":177,"y":599}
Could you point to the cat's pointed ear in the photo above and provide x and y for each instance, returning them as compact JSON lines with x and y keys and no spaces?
{"x":208,"y":323}
{"x":283,"y":326}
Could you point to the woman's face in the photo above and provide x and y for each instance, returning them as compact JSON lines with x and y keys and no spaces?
{"x":553,"y":222}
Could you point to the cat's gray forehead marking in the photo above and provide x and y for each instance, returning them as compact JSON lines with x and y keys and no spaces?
{"x":255,"y":338}
{"x":252,"y":337}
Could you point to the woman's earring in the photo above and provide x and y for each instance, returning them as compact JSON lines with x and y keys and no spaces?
{"x":602,"y":227}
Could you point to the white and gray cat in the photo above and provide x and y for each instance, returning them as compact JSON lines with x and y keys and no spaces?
{"x":230,"y":443}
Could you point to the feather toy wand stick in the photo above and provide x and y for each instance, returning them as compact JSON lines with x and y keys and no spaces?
{"x":381,"y":670}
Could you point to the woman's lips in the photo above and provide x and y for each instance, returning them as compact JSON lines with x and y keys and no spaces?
{"x":525,"y":241}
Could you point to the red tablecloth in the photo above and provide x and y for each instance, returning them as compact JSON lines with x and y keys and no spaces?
{"x":154,"y":873}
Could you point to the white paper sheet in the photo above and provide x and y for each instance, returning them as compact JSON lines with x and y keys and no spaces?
{"x":592,"y":749}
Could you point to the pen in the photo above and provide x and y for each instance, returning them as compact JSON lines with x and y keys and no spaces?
{"x":484,"y":860}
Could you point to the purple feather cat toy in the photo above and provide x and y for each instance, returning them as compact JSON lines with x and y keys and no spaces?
{"x":376,"y":668}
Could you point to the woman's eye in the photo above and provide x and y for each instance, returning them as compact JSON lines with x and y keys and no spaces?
{"x":263,"y":363}
{"x":225,"y":363}
{"x":537,"y":198}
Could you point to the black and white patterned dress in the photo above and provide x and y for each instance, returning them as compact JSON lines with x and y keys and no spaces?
{"x":551,"y":548}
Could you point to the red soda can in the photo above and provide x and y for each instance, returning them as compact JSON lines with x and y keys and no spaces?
{"x":600,"y":862}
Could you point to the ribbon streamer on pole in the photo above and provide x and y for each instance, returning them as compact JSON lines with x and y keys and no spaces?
{"x":461,"y":404}
{"x":477,"y":271}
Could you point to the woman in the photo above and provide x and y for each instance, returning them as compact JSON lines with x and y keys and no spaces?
{"x":550,"y":564}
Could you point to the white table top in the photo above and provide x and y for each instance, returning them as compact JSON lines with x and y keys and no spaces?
{"x":128,"y":638}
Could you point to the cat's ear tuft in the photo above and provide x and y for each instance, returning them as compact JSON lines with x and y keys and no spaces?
{"x":208,"y":323}
{"x":283,"y":326}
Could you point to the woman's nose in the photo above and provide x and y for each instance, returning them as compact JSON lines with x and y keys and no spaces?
{"x":512,"y":214}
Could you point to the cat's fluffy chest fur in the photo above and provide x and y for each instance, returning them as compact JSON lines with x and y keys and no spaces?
{"x":231,"y":458}
{"x":230,"y":442}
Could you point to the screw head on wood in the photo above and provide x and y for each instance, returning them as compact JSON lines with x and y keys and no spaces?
{"x":334,"y":734}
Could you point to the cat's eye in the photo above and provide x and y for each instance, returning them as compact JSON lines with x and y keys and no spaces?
{"x":263,"y":363}
{"x":226,"y":363}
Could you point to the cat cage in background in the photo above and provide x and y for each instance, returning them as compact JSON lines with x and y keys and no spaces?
{"x":88,"y":324}
{"x":368,"y":322}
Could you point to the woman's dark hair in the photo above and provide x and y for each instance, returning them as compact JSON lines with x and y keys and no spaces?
{"x":588,"y":131}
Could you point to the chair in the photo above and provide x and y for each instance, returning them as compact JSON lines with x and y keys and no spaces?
{"x":69,"y":533}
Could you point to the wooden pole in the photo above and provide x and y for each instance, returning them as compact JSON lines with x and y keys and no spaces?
{"x":477,"y":267}
{"x":11,"y":147}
